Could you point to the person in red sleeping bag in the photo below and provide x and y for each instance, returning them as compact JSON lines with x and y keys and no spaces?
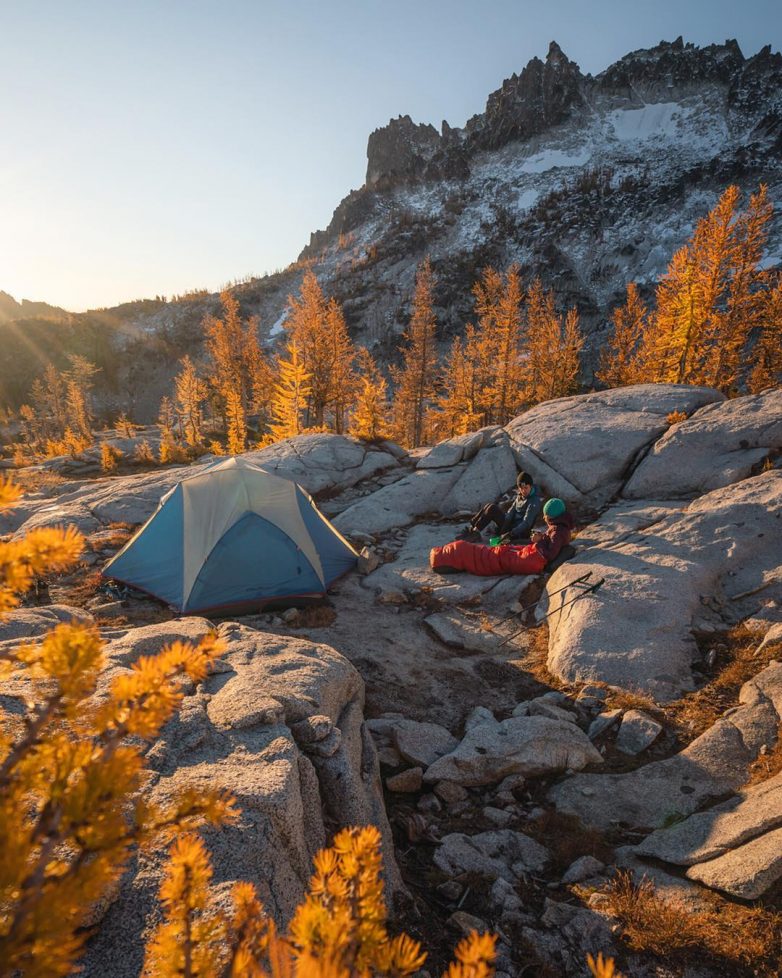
{"x":508,"y":559}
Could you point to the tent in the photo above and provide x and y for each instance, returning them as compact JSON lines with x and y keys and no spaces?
{"x":233,"y":535}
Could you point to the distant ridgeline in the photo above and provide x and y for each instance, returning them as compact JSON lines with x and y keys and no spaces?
{"x":589,"y":183}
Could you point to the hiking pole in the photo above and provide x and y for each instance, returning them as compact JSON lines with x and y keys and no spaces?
{"x":589,"y":590}
{"x":529,"y":607}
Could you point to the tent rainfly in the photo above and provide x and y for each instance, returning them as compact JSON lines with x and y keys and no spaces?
{"x":233,"y":535}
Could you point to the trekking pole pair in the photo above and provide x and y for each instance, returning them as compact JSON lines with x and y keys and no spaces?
{"x":529,"y":607}
{"x":581,"y":594}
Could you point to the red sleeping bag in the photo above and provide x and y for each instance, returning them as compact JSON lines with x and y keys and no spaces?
{"x":476,"y":558}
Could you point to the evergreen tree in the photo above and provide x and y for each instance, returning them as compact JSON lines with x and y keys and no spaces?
{"x":291,"y":392}
{"x":766,"y":357}
{"x":191,"y":392}
{"x":709,"y":301}
{"x":619,"y":360}
{"x":498,"y":343}
{"x":370,"y":408}
{"x":327,"y":354}
{"x":553,"y":347}
{"x":415,"y":379}
{"x":237,"y":369}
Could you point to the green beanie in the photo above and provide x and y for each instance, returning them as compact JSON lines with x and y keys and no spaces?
{"x":554,"y":508}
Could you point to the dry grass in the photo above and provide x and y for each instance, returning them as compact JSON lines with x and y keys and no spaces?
{"x":630,"y":699}
{"x":676,"y":417}
{"x":533,"y":655}
{"x":767,"y":763}
{"x":567,"y":838}
{"x":748,"y":939}
{"x":315,"y":616}
{"x":84,"y":587}
{"x":736,"y":662}
{"x":37,"y":480}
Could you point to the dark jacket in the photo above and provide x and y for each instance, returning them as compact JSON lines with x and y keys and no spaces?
{"x":522,"y":514}
{"x":557,"y":536}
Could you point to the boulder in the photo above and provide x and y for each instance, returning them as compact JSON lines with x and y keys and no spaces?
{"x":316,"y":462}
{"x":398,"y":504}
{"x":422,"y":743}
{"x":150,"y":639}
{"x":490,"y":474}
{"x":529,"y":746}
{"x":497,"y":854}
{"x":602,"y":722}
{"x":323,"y":461}
{"x":589,"y":441}
{"x":719,"y":445}
{"x":462,"y":632}
{"x":406,"y":781}
{"x":706,"y":835}
{"x":746,"y":872}
{"x":712,"y":766}
{"x":569,"y":932}
{"x":236,"y":731}
{"x":27,"y":622}
{"x":637,"y":731}
{"x":582,"y":869}
{"x":661,"y":584}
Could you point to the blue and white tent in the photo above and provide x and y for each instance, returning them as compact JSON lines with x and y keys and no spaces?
{"x":233,"y":535}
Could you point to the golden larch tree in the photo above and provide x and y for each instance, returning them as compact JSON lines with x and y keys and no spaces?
{"x":291,"y":393}
{"x":498,"y":343}
{"x":459,"y":405}
{"x":237,"y":369}
{"x":727,"y":346}
{"x":318,"y":328}
{"x":619,"y":359}
{"x":190,"y":392}
{"x":709,"y":300}
{"x":415,"y":378}
{"x":766,"y":356}
{"x":369,"y":415}
{"x":71,"y":770}
{"x":552,"y":348}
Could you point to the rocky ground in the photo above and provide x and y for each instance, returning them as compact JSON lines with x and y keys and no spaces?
{"x":515,"y":765}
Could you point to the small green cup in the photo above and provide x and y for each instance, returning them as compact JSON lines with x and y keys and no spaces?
{"x":494,"y":541}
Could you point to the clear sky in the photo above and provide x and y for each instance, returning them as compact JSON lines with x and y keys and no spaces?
{"x":153,"y":147}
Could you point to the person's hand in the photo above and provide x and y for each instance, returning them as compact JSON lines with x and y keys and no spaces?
{"x":536,"y":536}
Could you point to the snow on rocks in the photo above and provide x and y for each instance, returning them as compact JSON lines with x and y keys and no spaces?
{"x":716,"y":447}
{"x":580,"y":447}
{"x":661,"y":584}
{"x":528,"y":745}
{"x":497,"y":854}
{"x":712,"y":766}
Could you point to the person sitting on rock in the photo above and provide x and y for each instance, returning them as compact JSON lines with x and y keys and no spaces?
{"x":514,"y":519}
{"x":531,"y":558}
